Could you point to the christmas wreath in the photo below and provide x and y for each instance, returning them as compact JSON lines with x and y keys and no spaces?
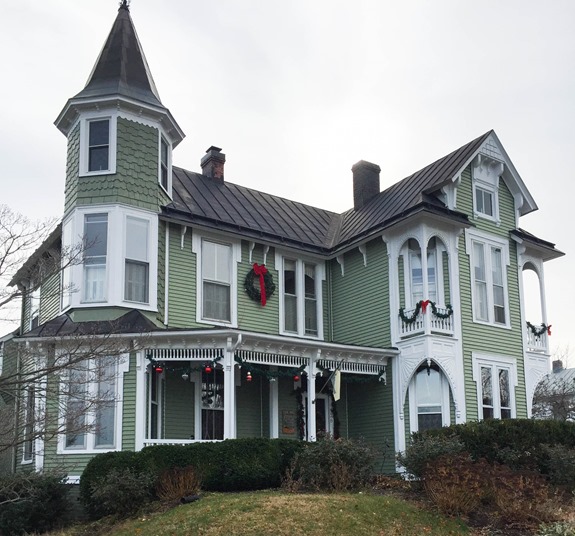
{"x":265,"y":287}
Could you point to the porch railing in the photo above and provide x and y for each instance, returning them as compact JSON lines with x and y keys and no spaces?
{"x":151,"y":442}
{"x":537,"y":338}
{"x":434,"y":320}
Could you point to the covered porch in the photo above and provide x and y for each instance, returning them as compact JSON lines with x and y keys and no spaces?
{"x":251,"y":385}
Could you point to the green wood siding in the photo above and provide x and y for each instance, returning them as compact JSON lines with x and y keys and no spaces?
{"x":179,"y":403}
{"x":136,"y":179}
{"x":446,"y":285}
{"x":370,"y":416}
{"x":162,"y":225}
{"x":50,"y":298}
{"x":360,"y":307}
{"x":129,"y":406}
{"x":181,"y":281}
{"x":252,"y":408}
{"x":480,"y":337}
{"x":251,"y":315}
{"x":401,"y":274}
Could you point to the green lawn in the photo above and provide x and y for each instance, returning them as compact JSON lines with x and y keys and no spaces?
{"x":283,"y":514}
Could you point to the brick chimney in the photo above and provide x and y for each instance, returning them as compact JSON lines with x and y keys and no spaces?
{"x":213,"y":164}
{"x":365,"y":182}
{"x":557,"y":365}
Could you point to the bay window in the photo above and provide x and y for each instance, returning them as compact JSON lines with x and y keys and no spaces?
{"x":95,"y":254}
{"x":136,"y":262}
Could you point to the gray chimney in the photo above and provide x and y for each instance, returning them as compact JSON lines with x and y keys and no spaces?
{"x":213,"y":164}
{"x":557,"y":365}
{"x":365,"y":182}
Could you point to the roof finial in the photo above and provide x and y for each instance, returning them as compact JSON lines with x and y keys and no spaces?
{"x":125,"y":4}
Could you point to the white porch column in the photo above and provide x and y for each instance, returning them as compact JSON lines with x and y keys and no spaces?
{"x":274,"y":408}
{"x":310,"y":421}
{"x":229,"y":394}
{"x":424,"y":277}
{"x":542,"y":298}
{"x":141,"y":402}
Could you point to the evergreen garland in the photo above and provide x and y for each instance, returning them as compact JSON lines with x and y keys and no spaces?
{"x":253,"y":290}
{"x":411,"y":319}
{"x":437,"y":314}
{"x":537,"y":332}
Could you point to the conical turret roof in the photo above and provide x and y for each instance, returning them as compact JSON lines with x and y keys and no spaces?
{"x":121,"y":67}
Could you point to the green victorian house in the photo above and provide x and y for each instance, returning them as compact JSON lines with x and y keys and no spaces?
{"x":250,"y":315}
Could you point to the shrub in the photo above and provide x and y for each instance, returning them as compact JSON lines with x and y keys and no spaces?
{"x":122,"y":492}
{"x":331,"y":465}
{"x":523,"y":498}
{"x":98,"y":469}
{"x":514,"y":442}
{"x":178,"y":482}
{"x":456,"y":484}
{"x":558,"y":463}
{"x":38,"y":503}
{"x":424,"y":449}
{"x":556,"y":529}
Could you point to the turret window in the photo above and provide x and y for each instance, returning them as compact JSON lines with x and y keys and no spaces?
{"x":137,"y":264}
{"x":99,"y":145}
{"x":95,"y":254}
{"x":164,"y":164}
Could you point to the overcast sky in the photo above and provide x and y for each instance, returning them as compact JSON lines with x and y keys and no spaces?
{"x":296,"y":92}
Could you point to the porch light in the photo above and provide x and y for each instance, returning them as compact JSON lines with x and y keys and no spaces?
{"x":185,"y":376}
{"x":248,"y":376}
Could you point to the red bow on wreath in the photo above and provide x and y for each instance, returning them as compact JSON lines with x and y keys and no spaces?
{"x":261,"y":270}
{"x":549,"y":330}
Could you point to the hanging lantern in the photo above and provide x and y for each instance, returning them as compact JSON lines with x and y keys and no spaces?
{"x":185,"y":376}
{"x":158,"y":369}
{"x":208,"y":369}
{"x":248,"y":376}
{"x":296,"y":378}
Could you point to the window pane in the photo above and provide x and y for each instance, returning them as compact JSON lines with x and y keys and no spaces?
{"x":136,"y":284}
{"x":479,"y":273}
{"x":95,"y":235}
{"x":478,"y":261}
{"x":98,"y":159}
{"x":164,"y":152}
{"x":429,"y":421}
{"x":309,"y":280}
{"x":428,"y":388}
{"x":99,"y":132}
{"x":76,"y":407}
{"x":310,"y":317}
{"x":216,"y":262}
{"x":431,"y":275}
{"x":487,"y":386}
{"x":105,"y":406}
{"x":504,"y":394}
{"x":217,"y":301}
{"x":136,"y":239}
{"x":94,"y":282}
{"x":289,"y":277}
{"x":290,"y":313}
{"x":496,"y":266}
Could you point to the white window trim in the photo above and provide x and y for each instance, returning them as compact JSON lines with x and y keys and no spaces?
{"x":445,"y":403}
{"x":165,"y":139}
{"x":24,"y":460}
{"x":84,"y":143}
{"x":474,"y":235}
{"x":236,"y":249}
{"x":486,"y":174}
{"x":495,"y":361}
{"x":34,"y":298}
{"x":115,"y":258}
{"x":328,"y":417}
{"x":123,"y":366}
{"x":300,"y":292}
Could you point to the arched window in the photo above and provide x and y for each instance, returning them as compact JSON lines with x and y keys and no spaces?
{"x":429,"y":399}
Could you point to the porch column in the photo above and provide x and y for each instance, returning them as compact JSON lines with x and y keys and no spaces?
{"x":310,"y":421}
{"x":274,"y":407}
{"x":424,"y":276}
{"x":141,"y":401}
{"x":229,"y":393}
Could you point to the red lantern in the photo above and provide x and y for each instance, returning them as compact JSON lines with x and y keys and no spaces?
{"x":158,"y":369}
{"x":296,"y":378}
{"x":208,"y":369}
{"x":248,"y":376}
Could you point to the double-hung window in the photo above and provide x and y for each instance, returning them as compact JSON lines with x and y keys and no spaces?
{"x":95,"y":255}
{"x":489,"y":258}
{"x":29,"y":424}
{"x":216,"y":281}
{"x":136,"y":279}
{"x":300,"y":301}
{"x":99,"y":145}
{"x":91,"y":393}
{"x":495,"y":378}
{"x":484,"y":202}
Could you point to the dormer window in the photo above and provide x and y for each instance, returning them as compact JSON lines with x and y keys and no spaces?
{"x":98,"y":146}
{"x":484,"y":202}
{"x":486,"y":174}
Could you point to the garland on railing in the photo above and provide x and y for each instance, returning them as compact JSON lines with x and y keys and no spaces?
{"x":421,"y":306}
{"x":263,"y":370}
{"x":160,"y":366}
{"x":537,"y":332}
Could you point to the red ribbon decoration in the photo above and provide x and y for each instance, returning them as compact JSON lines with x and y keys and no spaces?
{"x":261,"y":270}
{"x":424,"y":305}
{"x":549,"y":330}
